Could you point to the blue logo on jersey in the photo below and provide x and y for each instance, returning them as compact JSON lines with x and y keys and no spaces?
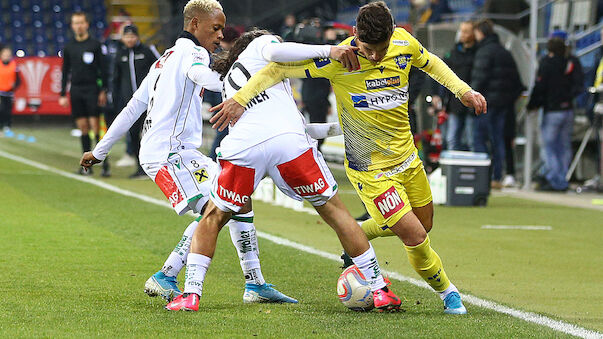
{"x":322,"y":62}
{"x":402,"y":60}
{"x":360,"y":101}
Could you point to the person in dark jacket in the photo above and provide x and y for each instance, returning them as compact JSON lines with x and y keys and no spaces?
{"x":559,"y":80}
{"x":460,"y":60}
{"x":132,"y":63}
{"x":495,"y":75}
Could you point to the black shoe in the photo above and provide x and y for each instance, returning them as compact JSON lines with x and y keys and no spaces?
{"x":85,"y":172}
{"x":106,"y":172}
{"x":347,"y":260}
{"x":139,"y":175}
{"x":363,"y":217}
{"x":106,"y":168}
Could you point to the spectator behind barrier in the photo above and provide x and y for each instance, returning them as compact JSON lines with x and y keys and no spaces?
{"x":495,"y":75}
{"x":558,"y":81}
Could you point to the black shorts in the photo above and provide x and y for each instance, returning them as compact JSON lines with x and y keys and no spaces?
{"x":84,"y":102}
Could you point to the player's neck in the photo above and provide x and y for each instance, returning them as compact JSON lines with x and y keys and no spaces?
{"x":82,"y":37}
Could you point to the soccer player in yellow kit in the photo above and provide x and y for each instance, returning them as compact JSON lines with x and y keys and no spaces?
{"x":381,"y":159}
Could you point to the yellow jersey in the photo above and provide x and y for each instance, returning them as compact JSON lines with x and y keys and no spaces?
{"x":372,"y":102}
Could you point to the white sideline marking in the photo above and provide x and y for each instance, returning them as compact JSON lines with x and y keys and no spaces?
{"x":557,"y":325}
{"x":517,"y":227}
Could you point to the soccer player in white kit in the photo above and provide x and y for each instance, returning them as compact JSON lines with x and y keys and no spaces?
{"x":172,"y":96}
{"x":270,"y":139}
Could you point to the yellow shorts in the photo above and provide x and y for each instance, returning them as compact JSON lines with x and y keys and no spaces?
{"x":389,"y":193}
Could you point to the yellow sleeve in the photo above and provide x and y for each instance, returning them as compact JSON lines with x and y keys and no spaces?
{"x":274,"y":72}
{"x":599,"y":77}
{"x":437,"y":69}
{"x":440,"y":72}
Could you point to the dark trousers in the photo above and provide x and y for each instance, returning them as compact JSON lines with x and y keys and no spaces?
{"x":6,"y":111}
{"x":318,"y":114}
{"x":489,"y":129}
{"x":510,"y":132}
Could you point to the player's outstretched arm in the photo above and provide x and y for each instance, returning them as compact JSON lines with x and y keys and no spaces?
{"x":88,"y":160}
{"x":440,"y":72}
{"x":229,"y":111}
{"x":475,"y":100}
{"x":122,"y":123}
{"x":292,"y":51}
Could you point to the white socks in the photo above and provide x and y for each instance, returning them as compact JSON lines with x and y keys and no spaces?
{"x":196,"y":267}
{"x":447,"y":291}
{"x":177,"y":259}
{"x":368,"y":265}
{"x":242,"y":234}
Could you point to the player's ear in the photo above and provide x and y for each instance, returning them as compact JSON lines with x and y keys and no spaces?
{"x":354,"y":31}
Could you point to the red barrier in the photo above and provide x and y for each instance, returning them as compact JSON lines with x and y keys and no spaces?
{"x":40,"y":87}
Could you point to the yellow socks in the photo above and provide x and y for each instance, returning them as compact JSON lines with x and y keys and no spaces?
{"x":372,"y":230}
{"x":428,"y":264}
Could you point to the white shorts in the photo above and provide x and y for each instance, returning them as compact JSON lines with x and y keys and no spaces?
{"x":291,"y":160}
{"x":185,"y":179}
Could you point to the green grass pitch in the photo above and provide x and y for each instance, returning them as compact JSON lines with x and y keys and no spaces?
{"x":75,"y":257}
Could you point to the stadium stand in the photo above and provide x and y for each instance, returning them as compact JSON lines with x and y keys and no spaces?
{"x":41,"y":27}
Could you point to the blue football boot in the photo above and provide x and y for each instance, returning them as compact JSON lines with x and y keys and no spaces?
{"x":453,"y":304}
{"x":265,"y":294}
{"x":161,"y":285}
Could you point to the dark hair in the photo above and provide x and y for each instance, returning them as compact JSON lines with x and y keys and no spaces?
{"x":556,"y":46}
{"x":80,"y":13}
{"x":224,"y":60}
{"x":485,"y":26}
{"x":374,"y":23}
{"x":230,"y":34}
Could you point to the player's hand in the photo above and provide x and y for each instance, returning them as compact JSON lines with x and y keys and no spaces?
{"x":475,"y":100}
{"x":229,"y":112}
{"x":88,"y":160}
{"x":63,"y":101}
{"x":102,"y":98}
{"x":347,"y":56}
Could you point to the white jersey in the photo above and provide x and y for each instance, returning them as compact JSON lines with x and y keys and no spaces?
{"x":173,"y":121}
{"x":271,"y":113}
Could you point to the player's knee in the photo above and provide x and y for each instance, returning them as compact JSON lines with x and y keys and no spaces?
{"x":427,"y":224}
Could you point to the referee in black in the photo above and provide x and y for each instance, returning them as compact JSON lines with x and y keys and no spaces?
{"x":84,"y":64}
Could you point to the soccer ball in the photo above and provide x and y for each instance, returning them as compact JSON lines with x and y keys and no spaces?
{"x":354,"y":290}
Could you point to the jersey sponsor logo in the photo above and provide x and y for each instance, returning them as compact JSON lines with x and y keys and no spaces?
{"x":168,"y":186}
{"x":235,"y":183}
{"x":402,"y":60}
{"x":401,"y":42}
{"x":389,"y":202}
{"x":360,"y":101}
{"x":303,"y":175}
{"x":382,"y":83}
{"x":398,"y":169}
{"x":382,"y":100}
{"x":201,"y":175}
{"x":322,"y":62}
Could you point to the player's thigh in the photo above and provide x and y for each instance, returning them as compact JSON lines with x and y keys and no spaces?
{"x":91,"y":102}
{"x":239,"y":174}
{"x":299,"y":170}
{"x":419,"y":194}
{"x":78,"y":108}
{"x":385,"y":199}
